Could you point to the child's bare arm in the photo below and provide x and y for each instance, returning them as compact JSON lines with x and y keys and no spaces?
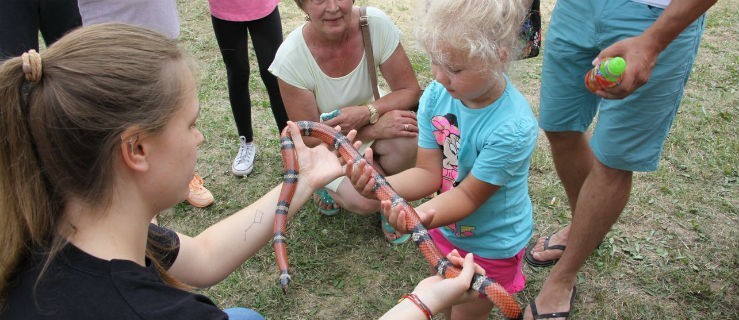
{"x":460,"y":202}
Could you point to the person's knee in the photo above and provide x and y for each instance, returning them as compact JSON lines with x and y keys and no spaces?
{"x":395,"y":155}
{"x":611,"y":174}
{"x":348,"y":198}
{"x":236,"y":67}
{"x":566,"y":139}
{"x":563,"y":137}
{"x":358,"y":204}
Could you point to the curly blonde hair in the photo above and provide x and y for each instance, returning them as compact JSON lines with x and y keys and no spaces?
{"x":485,"y":29}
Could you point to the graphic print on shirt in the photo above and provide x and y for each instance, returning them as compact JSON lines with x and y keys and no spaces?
{"x":448,"y":138}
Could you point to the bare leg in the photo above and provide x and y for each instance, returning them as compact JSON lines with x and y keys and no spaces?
{"x":573,"y":160}
{"x":395,"y":155}
{"x":349,"y":198}
{"x":475,"y":310}
{"x":603,"y":196}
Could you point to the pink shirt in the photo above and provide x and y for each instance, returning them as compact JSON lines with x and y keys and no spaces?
{"x":241,"y":10}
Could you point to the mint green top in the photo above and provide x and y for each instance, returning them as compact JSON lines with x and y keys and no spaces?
{"x":612,"y":68}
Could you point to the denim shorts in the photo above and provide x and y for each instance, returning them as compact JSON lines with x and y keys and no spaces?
{"x":629,"y":133}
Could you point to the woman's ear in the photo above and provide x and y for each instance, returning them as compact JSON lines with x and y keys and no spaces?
{"x":132,"y":152}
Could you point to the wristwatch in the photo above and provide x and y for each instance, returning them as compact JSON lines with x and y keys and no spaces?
{"x":374,"y":116}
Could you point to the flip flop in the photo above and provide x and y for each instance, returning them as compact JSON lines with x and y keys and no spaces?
{"x":391,"y":235}
{"x":529,"y":257}
{"x":562,"y":314}
{"x":326,"y":205}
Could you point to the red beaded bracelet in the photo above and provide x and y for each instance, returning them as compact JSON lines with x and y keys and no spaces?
{"x":424,"y":308}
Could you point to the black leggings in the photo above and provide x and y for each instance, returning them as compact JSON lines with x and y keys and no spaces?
{"x":21,"y":20}
{"x":266,"y":37}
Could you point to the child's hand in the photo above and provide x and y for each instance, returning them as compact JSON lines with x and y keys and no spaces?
{"x":397,"y":216}
{"x":360,"y":174}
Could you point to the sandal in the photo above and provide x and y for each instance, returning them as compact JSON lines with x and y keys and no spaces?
{"x":529,"y":256}
{"x":391,"y":235}
{"x":326,"y":205}
{"x":563,"y":314}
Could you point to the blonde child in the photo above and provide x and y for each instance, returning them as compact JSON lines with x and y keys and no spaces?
{"x":476,"y":136}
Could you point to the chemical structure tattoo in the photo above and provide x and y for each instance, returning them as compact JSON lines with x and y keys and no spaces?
{"x":257,"y":220}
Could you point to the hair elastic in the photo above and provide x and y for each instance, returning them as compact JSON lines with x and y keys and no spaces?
{"x":417,"y":301}
{"x":32,"y":65}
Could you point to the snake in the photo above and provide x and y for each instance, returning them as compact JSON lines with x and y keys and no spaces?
{"x":486,"y":286}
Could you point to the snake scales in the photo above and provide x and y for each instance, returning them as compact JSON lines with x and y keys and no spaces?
{"x":486,"y":286}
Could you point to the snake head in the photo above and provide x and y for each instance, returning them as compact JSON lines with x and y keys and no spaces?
{"x":284,"y":281}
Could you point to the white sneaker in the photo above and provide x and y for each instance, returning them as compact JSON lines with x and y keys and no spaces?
{"x":244,"y":162}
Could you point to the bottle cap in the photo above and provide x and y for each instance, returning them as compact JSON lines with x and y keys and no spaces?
{"x":613,"y":68}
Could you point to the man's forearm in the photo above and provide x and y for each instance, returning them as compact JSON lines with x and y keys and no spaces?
{"x":676,"y":17}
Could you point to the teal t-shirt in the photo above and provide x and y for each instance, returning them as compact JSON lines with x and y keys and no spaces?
{"x":495,"y":145}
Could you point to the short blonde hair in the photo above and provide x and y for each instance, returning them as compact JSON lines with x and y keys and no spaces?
{"x":481,"y":28}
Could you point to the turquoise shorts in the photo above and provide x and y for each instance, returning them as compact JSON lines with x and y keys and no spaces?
{"x":628,"y":133}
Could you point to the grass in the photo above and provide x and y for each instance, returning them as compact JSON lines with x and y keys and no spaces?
{"x":673,"y":253}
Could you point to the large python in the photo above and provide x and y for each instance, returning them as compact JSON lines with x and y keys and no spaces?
{"x":486,"y":286}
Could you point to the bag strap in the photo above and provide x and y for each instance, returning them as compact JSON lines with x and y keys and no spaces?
{"x":364,"y":25}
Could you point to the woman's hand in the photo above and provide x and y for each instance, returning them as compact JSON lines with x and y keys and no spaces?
{"x":439,"y":293}
{"x":318,"y":165}
{"x":353,"y":117}
{"x":396,"y":123}
{"x":392,"y":124}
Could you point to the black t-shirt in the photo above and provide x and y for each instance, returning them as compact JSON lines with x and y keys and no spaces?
{"x":79,"y":286}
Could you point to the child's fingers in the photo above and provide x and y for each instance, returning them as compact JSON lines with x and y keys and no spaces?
{"x":369,"y":186}
{"x":402,"y":221}
{"x":351,"y":135}
{"x":386,"y":206}
{"x":455,"y":258}
{"x":369,"y":155}
{"x":361,"y":178}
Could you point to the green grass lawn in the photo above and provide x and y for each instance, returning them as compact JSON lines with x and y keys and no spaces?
{"x":673,"y":253}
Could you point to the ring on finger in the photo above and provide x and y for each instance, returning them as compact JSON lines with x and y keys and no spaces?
{"x":405,"y":127}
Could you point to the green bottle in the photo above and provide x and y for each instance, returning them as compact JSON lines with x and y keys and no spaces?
{"x":605,"y":75}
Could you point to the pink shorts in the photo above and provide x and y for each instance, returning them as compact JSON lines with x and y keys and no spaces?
{"x":508,"y":272}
